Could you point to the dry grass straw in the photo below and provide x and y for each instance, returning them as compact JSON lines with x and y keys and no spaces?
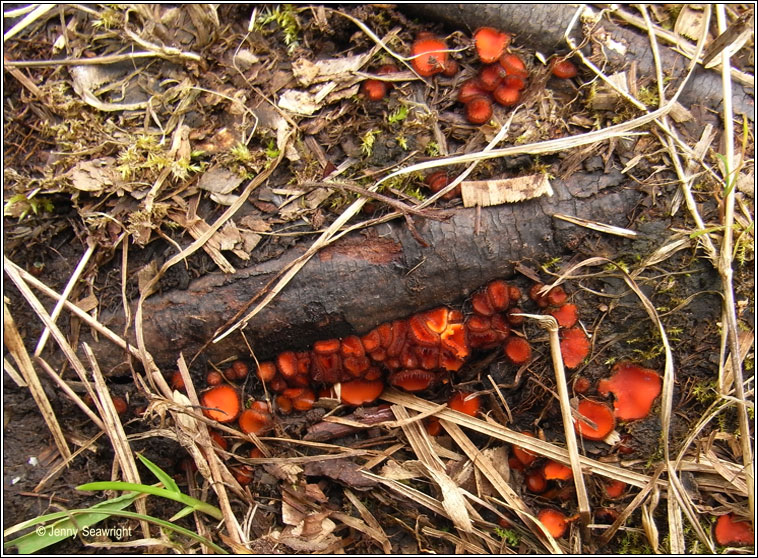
{"x":551,"y":325}
{"x":15,"y":346}
{"x":725,"y":266}
{"x":115,"y":431}
{"x":197,"y":432}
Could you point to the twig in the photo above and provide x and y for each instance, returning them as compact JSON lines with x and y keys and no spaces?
{"x":400,"y":206}
{"x":115,"y":431}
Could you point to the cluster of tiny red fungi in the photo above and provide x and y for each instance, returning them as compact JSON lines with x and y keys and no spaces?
{"x":502,"y":78}
{"x":412,"y":354}
{"x":419,"y":352}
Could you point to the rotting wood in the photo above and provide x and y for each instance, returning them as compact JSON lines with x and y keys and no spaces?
{"x":372,"y":276}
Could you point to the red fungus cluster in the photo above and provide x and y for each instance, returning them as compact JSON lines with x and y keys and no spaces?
{"x":502,"y":78}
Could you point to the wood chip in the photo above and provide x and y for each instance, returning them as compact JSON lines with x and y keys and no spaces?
{"x":504,"y":190}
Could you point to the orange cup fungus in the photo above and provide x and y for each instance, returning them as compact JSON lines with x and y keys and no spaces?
{"x":513,"y":65}
{"x":614,"y":489}
{"x":256,"y":419}
{"x":554,"y":521}
{"x":221,"y":403}
{"x":490,"y":44}
{"x":562,"y":68}
{"x":566,"y":315}
{"x":600,"y":414}
{"x":120,"y":404}
{"x":506,"y":95}
{"x":728,"y":531}
{"x":469,"y":90}
{"x":526,"y":457}
{"x":429,"y":55}
{"x":518,"y":350}
{"x":177,"y":381}
{"x":634,"y":387}
{"x":535,"y":481}
{"x":213,"y":378}
{"x":359,"y":392}
{"x":239,"y":370}
{"x":479,"y":110}
{"x":556,"y":471}
{"x":464,"y":402}
{"x":437,"y":180}
{"x":581,"y":385}
{"x":574,"y":347}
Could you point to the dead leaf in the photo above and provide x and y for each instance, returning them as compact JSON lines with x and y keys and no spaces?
{"x":96,"y":175}
{"x":332,"y":69}
{"x":219,"y":181}
{"x":87,"y":303}
{"x":689,"y":22}
{"x":396,"y":471}
{"x":504,"y":190}
{"x":342,"y":470}
{"x":85,"y":79}
{"x":145,"y":275}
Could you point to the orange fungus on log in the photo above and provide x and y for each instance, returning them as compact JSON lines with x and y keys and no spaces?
{"x":730,"y":532}
{"x":478,"y":110}
{"x":465,"y":403}
{"x":535,"y":481}
{"x":557,"y":471}
{"x":614,"y":488}
{"x":566,"y":315}
{"x":517,"y":350}
{"x":490,"y":43}
{"x":554,"y":521}
{"x":635,"y":389}
{"x":526,"y":457}
{"x":253,"y":421}
{"x":506,"y":95}
{"x":358,"y":392}
{"x":563,"y":68}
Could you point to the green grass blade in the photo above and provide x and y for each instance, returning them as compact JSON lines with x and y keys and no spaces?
{"x":105,"y":513}
{"x":160,"y":474}
{"x":64,"y":526}
{"x":185,"y":511}
{"x":199,"y":505}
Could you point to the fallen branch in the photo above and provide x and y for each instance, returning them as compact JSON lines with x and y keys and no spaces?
{"x":372,"y":276}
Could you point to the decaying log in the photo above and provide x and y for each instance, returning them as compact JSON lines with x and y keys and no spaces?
{"x":375,"y":275}
{"x":542,"y":27}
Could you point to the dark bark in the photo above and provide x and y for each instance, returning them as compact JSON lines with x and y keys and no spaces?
{"x":542,"y":26}
{"x":375,"y":275}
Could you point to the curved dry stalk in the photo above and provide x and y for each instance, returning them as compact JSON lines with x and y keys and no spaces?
{"x":725,"y":266}
{"x":551,"y":325}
